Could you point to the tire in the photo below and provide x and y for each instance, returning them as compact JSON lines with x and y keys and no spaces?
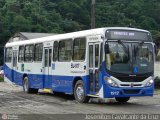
{"x":122,"y":99}
{"x":26,"y":87}
{"x":79,"y":92}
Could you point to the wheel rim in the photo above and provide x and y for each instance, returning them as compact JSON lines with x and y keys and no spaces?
{"x":80,"y":92}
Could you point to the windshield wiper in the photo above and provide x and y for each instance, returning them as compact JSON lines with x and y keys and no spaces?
{"x":137,"y":48}
{"x":125,"y":48}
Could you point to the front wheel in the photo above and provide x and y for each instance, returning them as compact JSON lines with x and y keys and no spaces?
{"x":122,"y":99}
{"x":26,"y":87}
{"x":79,"y":92}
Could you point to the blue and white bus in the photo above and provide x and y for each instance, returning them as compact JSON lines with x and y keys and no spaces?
{"x":113,"y":62}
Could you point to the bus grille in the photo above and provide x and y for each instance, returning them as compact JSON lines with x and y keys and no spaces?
{"x":131,"y":79}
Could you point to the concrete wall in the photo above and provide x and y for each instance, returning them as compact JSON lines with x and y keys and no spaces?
{"x":157,"y":69}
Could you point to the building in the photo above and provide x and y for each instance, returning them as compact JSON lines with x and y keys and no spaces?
{"x":27,"y":35}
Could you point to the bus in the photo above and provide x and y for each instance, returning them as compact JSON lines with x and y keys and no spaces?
{"x":111,"y":62}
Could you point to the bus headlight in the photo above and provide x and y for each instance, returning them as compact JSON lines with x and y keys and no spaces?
{"x":111,"y":82}
{"x":149,"y":83}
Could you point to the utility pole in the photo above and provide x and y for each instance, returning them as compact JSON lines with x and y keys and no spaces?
{"x":93,"y":14}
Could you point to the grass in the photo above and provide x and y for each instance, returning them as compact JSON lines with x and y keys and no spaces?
{"x":1,"y":79}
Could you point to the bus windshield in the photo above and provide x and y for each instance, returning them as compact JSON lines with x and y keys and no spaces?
{"x":143,"y":58}
{"x":129,"y":58}
{"x":118,"y":60}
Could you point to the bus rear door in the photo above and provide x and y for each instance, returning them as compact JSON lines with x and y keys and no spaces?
{"x":14,"y":67}
{"x":47,"y":67}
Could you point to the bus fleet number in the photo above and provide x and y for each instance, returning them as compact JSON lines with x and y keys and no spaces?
{"x":114,"y":92}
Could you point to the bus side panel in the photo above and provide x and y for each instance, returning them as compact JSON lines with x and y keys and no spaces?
{"x":36,"y":81}
{"x":65,"y":84}
{"x":62,"y":83}
{"x":17,"y":77}
{"x":64,"y":74}
{"x":36,"y":77}
{"x":8,"y":71}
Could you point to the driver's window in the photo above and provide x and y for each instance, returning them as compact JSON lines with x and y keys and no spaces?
{"x":117,"y":53}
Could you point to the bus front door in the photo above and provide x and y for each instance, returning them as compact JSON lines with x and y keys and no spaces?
{"x":47,"y":67}
{"x":14,"y":67}
{"x":94,"y":56}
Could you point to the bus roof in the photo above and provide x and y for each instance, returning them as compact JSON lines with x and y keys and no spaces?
{"x":97,"y":31}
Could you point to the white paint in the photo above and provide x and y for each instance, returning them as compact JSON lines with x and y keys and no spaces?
{"x":101,"y":92}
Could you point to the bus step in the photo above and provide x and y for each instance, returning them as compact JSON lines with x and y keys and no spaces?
{"x":93,"y":95}
{"x":47,"y":90}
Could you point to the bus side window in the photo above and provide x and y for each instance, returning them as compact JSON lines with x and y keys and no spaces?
{"x":21,"y":54}
{"x":55,"y":51}
{"x":8,"y":55}
{"x":91,"y":56}
{"x":97,"y":55}
{"x":65,"y":50}
{"x":29,"y":53}
{"x":38,"y":52}
{"x":79,"y":49}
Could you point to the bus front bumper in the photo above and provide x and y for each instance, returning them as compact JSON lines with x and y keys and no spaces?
{"x":111,"y":92}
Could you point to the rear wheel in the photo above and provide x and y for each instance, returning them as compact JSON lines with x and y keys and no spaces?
{"x":26,"y":87}
{"x":79,"y":92}
{"x":122,"y":99}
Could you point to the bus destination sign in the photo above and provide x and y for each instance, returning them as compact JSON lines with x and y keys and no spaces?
{"x":127,"y":35}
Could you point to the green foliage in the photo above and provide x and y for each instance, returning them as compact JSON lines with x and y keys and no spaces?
{"x":1,"y":79}
{"x":59,"y":16}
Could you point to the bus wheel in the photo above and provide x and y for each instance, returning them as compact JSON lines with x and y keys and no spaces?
{"x":122,"y":99}
{"x":79,"y":92}
{"x":26,"y":87}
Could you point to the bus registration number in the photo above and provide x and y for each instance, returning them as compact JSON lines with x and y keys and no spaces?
{"x":114,"y":92}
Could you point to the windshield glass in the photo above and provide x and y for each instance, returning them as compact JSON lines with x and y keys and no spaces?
{"x":143,"y":58}
{"x":129,"y":58}
{"x":118,"y":60}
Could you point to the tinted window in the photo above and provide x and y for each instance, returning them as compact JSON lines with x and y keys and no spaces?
{"x":143,"y":61}
{"x":101,"y":53}
{"x":91,"y":56}
{"x":55,"y":51}
{"x":79,"y":49}
{"x":29,"y":50}
{"x":118,"y":59}
{"x":38,"y":52}
{"x":8,"y":54}
{"x":21,"y":54}
{"x":96,"y":55}
{"x":65,"y":50}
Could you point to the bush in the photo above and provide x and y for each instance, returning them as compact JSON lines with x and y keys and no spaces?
{"x":157,"y":83}
{"x":1,"y":79}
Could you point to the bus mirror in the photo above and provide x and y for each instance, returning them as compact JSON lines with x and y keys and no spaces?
{"x":106,"y":49}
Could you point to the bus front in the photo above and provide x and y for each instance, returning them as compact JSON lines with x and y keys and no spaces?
{"x":129,"y":64}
